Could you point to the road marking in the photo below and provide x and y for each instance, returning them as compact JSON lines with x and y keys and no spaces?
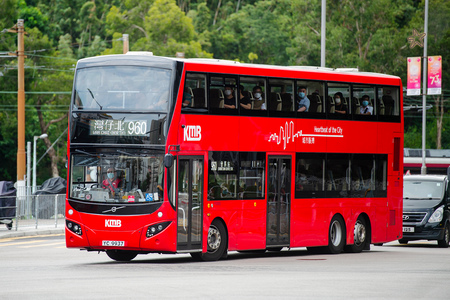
{"x":42,"y":245}
{"x":19,"y":243}
{"x":29,"y":237}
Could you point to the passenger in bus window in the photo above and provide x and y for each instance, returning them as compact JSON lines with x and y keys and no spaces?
{"x":303,"y":102}
{"x":365,"y":109}
{"x":339,"y":106}
{"x":230,"y":100}
{"x":187,"y":98}
{"x":244,"y":99}
{"x":260,"y":103}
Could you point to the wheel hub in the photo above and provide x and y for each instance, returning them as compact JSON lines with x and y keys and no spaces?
{"x":335,"y":233}
{"x":214,"y":238}
{"x":360,"y":233}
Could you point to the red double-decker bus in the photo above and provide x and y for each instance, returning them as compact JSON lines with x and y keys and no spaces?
{"x":206,"y":156}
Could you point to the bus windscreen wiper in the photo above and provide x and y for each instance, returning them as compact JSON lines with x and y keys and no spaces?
{"x":92,"y":95}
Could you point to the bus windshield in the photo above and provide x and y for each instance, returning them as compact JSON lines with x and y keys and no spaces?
{"x":115,"y":175}
{"x":122,"y":88}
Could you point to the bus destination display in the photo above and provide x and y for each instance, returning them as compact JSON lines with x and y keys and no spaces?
{"x":117,"y":128}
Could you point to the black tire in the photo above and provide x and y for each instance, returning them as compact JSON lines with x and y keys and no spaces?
{"x":445,"y":241}
{"x":196,"y":256}
{"x":275,"y":249}
{"x":317,"y":250}
{"x":260,"y":251}
{"x":403,"y":242}
{"x":360,"y":236}
{"x":217,"y":242}
{"x":336,"y":235}
{"x":121,"y":255}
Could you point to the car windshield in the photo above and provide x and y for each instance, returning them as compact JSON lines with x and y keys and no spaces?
{"x":122,"y":88}
{"x":116,"y":176}
{"x":415,"y":189}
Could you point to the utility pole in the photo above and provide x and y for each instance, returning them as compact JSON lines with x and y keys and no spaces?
{"x":423,"y":169}
{"x":125,"y":43}
{"x":323,"y":33}
{"x":21,"y":154}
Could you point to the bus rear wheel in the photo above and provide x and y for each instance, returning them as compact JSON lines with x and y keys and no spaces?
{"x":336,"y":235}
{"x":216,"y":242}
{"x":121,"y":255}
{"x":359,"y":236}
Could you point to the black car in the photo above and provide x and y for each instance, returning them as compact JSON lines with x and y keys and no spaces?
{"x":426,"y":205}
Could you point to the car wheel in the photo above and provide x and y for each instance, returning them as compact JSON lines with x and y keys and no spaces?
{"x":403,"y":242}
{"x":445,"y":241}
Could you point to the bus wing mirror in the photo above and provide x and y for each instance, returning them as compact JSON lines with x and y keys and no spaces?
{"x":168,"y":160}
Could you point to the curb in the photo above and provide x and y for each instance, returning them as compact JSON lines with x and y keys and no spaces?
{"x":13,"y":234}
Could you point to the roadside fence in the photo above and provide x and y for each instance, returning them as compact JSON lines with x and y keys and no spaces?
{"x":32,"y":211}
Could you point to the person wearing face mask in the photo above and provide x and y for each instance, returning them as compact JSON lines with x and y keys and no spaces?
{"x":244,"y":100}
{"x":260,"y":103}
{"x":339,"y":106}
{"x":365,"y":109}
{"x":302,"y":101}
{"x":230,"y":101}
{"x":111,"y":182}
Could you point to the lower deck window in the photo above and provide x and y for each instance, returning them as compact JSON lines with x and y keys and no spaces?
{"x":320,"y":175}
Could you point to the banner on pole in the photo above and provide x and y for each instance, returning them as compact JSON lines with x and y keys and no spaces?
{"x":434,"y":75}
{"x":414,"y":74}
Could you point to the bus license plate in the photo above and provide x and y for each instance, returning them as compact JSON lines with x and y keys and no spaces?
{"x":113,"y":243}
{"x":408,"y":229}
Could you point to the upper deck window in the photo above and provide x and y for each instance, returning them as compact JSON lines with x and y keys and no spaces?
{"x":129,"y":88}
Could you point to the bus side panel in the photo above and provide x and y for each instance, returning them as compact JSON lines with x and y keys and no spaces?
{"x":310,"y":222}
{"x":252,"y":232}
{"x":345,"y":139}
{"x":221,"y":132}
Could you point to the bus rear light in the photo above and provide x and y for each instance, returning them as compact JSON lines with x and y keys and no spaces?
{"x":156,"y":228}
{"x":74,"y":227}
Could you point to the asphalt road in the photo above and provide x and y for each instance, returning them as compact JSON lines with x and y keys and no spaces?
{"x":42,"y":268}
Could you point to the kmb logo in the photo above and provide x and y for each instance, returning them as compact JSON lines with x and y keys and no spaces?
{"x":193,"y":133}
{"x":113,"y":223}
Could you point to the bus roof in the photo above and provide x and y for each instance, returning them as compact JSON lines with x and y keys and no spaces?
{"x":148,"y":56}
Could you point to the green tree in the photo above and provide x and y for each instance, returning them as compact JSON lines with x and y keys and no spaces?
{"x":164,"y":30}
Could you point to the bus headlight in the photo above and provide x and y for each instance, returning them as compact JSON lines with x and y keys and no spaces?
{"x":156,"y":228}
{"x":74,"y":227}
{"x":437,"y":216}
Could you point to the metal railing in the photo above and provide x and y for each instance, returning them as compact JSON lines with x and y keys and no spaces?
{"x":32,"y":211}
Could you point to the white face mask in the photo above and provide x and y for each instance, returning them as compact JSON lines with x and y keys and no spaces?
{"x":338,"y":100}
{"x":227,"y":92}
{"x":257,"y":95}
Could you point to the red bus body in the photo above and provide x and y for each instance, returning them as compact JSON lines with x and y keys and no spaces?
{"x":245,"y":221}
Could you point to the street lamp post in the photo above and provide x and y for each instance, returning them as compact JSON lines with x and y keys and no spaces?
{"x":35,"y":138}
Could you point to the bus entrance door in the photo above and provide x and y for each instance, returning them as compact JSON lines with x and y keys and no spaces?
{"x":279,"y":200}
{"x":189,"y":203}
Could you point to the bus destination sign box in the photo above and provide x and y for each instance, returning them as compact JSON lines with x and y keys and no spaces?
{"x":117,"y":128}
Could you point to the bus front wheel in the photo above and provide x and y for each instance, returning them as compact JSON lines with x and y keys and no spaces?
{"x":336,"y":235}
{"x":216,"y":242}
{"x":121,"y":255}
